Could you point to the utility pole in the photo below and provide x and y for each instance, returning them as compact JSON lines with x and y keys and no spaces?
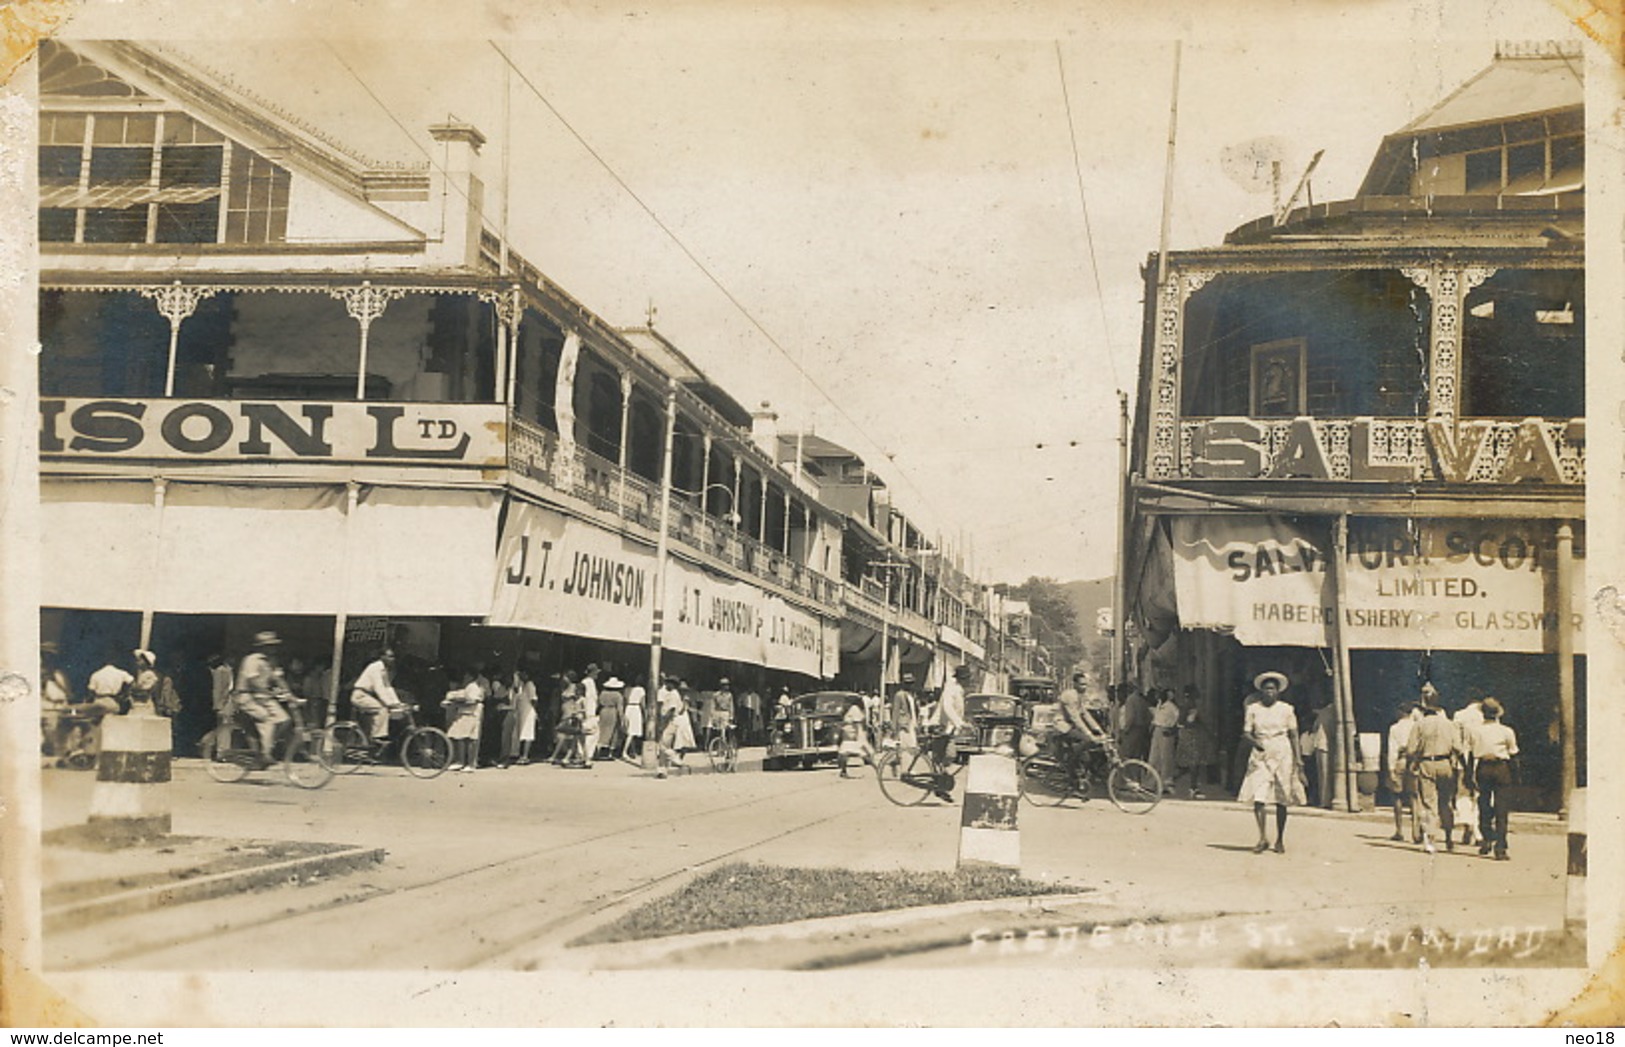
{"x":1120,"y":582}
{"x":657,"y":624}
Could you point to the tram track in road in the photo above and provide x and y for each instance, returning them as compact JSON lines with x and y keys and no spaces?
{"x":482,"y":906}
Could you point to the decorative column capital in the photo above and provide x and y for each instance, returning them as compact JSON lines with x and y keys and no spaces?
{"x":177,"y":301}
{"x":509,"y":305}
{"x":366,"y":303}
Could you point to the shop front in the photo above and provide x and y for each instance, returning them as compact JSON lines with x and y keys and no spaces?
{"x":1470,"y":604}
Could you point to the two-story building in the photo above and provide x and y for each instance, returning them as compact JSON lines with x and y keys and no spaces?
{"x":1359,"y":448}
{"x":287,"y":387}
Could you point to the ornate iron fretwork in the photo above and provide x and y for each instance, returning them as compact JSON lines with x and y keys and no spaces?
{"x":177,"y":301}
{"x":367,"y":302}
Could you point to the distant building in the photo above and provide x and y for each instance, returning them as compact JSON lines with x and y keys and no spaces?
{"x":1359,"y":450}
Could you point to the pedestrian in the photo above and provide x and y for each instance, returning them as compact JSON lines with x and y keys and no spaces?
{"x":1194,"y":753}
{"x":1468,"y":719}
{"x":854,"y":735}
{"x":221,"y":686}
{"x":611,"y":719}
{"x":1275,"y":768}
{"x":750,"y":717}
{"x":1432,"y":753}
{"x":676,"y":731}
{"x":589,"y":715}
{"x":636,"y":696}
{"x":464,"y":706}
{"x":152,"y":690}
{"x":1401,"y":779}
{"x":519,"y":730}
{"x":1494,"y":745}
{"x":1136,"y":725}
{"x":567,"y":733}
{"x":109,"y":688}
{"x":723,"y":707}
{"x":1315,"y":745}
{"x":905,"y":714}
{"x":1164,"y":737}
{"x":56,"y":695}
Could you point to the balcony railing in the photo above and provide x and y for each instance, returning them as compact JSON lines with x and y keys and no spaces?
{"x":1360,"y":448}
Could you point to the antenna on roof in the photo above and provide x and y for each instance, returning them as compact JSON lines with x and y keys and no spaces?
{"x":1284,"y":208}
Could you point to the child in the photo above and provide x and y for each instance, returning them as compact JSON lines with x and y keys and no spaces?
{"x":464,"y":706}
{"x":568,"y":751}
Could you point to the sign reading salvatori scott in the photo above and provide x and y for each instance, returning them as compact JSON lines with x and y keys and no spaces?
{"x":337,"y":431}
{"x":1463,"y":584}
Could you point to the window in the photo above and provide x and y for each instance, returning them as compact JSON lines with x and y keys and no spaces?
{"x":149,"y":177}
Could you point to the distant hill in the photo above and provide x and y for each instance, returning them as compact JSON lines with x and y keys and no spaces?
{"x":1086,"y":598}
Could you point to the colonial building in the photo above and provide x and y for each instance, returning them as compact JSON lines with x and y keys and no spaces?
{"x":287,"y":387}
{"x":1359,"y":451}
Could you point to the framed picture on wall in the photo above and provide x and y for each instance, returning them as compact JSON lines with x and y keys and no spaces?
{"x":1279,"y":379}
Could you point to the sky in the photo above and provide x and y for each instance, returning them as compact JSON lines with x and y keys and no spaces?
{"x":885,"y":197}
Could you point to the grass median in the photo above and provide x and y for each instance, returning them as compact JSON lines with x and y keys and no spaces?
{"x":752,"y":895}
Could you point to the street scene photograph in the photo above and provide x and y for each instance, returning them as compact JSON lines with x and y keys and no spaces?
{"x":511,"y":518}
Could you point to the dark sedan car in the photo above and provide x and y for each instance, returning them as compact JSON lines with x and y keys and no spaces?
{"x":993,"y":723}
{"x":809,"y":731}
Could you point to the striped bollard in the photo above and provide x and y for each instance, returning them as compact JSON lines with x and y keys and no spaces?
{"x":988,"y":835}
{"x":131,"y":796}
{"x":1574,"y":912}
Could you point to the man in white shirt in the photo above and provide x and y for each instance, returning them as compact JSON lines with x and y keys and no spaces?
{"x":259,"y":687}
{"x":109,"y":688}
{"x":1494,"y":744}
{"x":373,"y":697}
{"x":1468,"y":719}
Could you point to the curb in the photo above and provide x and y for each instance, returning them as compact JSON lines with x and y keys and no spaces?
{"x":655,"y":950}
{"x":143,"y":899}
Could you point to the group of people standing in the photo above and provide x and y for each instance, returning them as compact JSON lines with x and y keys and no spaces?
{"x":1451,"y":771}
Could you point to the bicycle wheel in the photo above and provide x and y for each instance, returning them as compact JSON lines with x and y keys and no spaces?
{"x":426,"y":752}
{"x":304,"y":764}
{"x":905,"y":776}
{"x":1047,"y":782}
{"x":1134,"y":786}
{"x":230,"y":764}
{"x":724,"y":757}
{"x":345,"y":745}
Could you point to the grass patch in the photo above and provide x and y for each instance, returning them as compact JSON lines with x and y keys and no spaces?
{"x":751,"y":895}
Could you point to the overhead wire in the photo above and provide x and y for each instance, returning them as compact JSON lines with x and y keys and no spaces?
{"x":1088,"y":230}
{"x":706,"y":271}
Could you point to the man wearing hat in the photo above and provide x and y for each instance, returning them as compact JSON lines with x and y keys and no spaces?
{"x":259,"y":683}
{"x":722,"y":706}
{"x":1494,"y":746}
{"x":1433,"y":751}
{"x":948,"y":718}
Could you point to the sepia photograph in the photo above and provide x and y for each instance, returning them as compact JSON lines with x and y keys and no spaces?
{"x":511,"y":516}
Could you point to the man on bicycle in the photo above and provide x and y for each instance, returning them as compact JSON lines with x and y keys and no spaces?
{"x":1076,"y":728}
{"x":373,"y":697}
{"x":947,"y":719}
{"x":260,"y":686}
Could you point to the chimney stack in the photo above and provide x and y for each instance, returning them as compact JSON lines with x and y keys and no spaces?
{"x":456,"y":181}
{"x":764,"y":430}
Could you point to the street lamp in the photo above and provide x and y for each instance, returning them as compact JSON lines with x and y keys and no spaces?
{"x":731,"y":517}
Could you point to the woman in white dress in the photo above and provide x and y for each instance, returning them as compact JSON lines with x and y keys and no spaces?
{"x":1275,"y":768}
{"x":634,"y":719}
{"x":520,"y":728}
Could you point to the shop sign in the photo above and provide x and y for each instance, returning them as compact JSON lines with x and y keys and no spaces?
{"x":277,"y":430}
{"x":1468,"y":585}
{"x":1460,"y":452}
{"x":564,"y":575}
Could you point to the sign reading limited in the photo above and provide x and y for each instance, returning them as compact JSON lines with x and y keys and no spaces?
{"x":428,"y":433}
{"x":1472,"y":585}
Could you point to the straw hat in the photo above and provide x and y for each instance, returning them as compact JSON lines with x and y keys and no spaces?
{"x":267,"y":639}
{"x":1281,"y":682}
{"x":613,"y":684}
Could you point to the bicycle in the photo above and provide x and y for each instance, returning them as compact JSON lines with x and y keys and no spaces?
{"x":425,"y":751}
{"x":80,"y":729}
{"x":1065,"y":769}
{"x":303,"y":760}
{"x":722,"y":749}
{"x":910,"y":776}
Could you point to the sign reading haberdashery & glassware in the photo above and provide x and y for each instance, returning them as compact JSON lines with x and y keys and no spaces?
{"x":339,"y":431}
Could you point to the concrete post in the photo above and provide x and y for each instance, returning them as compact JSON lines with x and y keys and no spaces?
{"x":988,"y":834}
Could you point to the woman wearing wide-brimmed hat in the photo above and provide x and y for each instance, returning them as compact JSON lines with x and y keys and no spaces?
{"x":1275,"y":768}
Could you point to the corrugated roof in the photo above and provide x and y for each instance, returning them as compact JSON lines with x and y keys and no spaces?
{"x":1508,"y":88}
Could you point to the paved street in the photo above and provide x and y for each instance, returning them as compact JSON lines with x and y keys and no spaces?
{"x":499,"y":869}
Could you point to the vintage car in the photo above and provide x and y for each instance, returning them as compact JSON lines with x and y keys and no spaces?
{"x":1038,"y":700}
{"x":993,"y":723}
{"x":809,"y":731}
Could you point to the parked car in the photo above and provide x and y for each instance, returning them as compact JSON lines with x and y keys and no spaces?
{"x":809,"y":731}
{"x":1038,"y":695}
{"x":993,"y":723}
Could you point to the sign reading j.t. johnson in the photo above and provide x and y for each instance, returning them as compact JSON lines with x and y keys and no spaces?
{"x":1476,"y":451}
{"x":341,"y":431}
